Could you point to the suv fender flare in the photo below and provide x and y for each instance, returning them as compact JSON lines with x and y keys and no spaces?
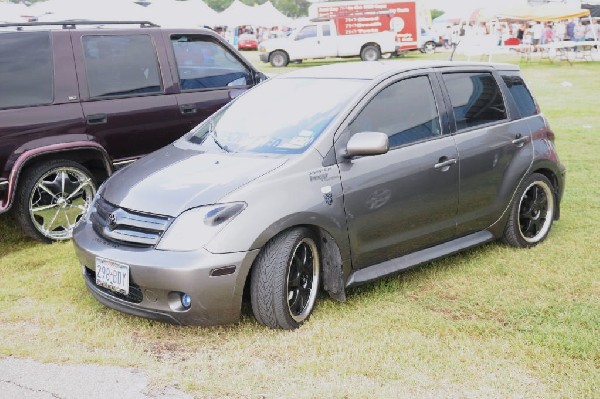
{"x":30,"y":155}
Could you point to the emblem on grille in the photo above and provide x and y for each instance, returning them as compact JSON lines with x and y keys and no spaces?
{"x":112,"y":220}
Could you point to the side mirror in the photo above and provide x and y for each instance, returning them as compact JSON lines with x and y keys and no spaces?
{"x":260,"y":77}
{"x":367,"y":143}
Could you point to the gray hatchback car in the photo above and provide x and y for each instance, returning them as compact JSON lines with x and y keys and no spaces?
{"x":323,"y":178}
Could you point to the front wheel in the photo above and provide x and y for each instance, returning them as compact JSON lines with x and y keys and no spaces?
{"x":285,"y":280}
{"x":370,"y":53}
{"x":52,"y":199}
{"x":429,"y":48}
{"x":532,"y":212}
{"x":279,"y":59}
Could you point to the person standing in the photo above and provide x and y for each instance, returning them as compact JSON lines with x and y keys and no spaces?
{"x":570,"y":31}
{"x":536,"y":31}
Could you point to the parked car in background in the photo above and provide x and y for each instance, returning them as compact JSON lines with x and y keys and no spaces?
{"x":366,"y":170}
{"x":247,"y":41}
{"x":79,"y":102}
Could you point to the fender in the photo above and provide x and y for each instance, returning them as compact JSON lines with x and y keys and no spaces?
{"x":32,"y":153}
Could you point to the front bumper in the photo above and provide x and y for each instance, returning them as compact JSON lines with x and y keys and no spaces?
{"x":264,"y":57}
{"x":156,"y":278}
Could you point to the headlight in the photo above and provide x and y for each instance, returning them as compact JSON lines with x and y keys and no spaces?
{"x":196,"y":227}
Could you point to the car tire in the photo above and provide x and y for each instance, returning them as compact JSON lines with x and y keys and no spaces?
{"x":52,"y":199}
{"x":429,"y":47}
{"x":279,"y":59}
{"x":285,"y":280}
{"x":370,"y":53}
{"x":532,"y":212}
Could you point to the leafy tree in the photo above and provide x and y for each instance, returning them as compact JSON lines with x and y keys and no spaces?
{"x":436,"y":13}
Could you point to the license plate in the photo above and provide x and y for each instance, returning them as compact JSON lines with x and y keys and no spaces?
{"x":112,"y":275}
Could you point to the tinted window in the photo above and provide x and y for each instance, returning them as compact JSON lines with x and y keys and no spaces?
{"x":25,"y":69}
{"x":326,"y":30}
{"x":406,"y":111}
{"x":520,"y":93}
{"x":476,"y":99}
{"x":204,"y":64}
{"x":307,"y":32}
{"x":121,"y":65}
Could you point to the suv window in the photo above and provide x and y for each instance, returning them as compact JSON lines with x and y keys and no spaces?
{"x":26,"y":69}
{"x":520,"y":93}
{"x":204,"y":64}
{"x":121,"y":65}
{"x":476,"y":98}
{"x":405,"y":110}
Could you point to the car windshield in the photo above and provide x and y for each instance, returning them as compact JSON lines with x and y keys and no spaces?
{"x":281,"y":116}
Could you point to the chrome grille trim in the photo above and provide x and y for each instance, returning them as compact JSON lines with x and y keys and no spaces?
{"x":127,"y":227}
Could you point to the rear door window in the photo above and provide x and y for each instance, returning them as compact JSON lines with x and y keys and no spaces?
{"x":121,"y":65}
{"x":476,"y":99}
{"x":520,"y":93}
{"x":26,"y":69}
{"x":204,"y":64}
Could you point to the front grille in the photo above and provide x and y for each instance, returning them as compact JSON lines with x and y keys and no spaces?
{"x":135,"y":292}
{"x":127,"y":227}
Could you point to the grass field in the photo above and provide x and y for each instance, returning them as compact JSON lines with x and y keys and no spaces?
{"x":494,"y":322}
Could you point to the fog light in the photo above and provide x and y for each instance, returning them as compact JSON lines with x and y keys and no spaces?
{"x":186,"y":300}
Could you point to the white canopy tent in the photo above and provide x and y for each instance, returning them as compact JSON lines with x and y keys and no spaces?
{"x":182,"y":14}
{"x":269,"y":16}
{"x":106,"y":10}
{"x":10,"y":12}
{"x":237,"y":14}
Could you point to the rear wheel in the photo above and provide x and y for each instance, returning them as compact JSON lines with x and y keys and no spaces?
{"x":370,"y":53}
{"x":279,"y":58}
{"x":532,"y":212}
{"x":285,"y":280}
{"x":52,"y":199}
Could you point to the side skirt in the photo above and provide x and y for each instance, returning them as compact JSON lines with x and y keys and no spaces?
{"x":396,"y":265}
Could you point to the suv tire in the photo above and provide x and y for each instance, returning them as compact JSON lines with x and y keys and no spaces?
{"x":285,"y":280}
{"x":52,"y":198}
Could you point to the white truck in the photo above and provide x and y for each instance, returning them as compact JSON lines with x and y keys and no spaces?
{"x":320,"y":38}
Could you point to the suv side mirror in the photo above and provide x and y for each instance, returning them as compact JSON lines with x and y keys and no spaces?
{"x":367,"y":143}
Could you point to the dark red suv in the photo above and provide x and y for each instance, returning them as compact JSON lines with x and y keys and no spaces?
{"x":77,"y":104}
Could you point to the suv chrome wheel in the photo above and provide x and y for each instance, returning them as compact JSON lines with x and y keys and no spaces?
{"x":55,"y":199}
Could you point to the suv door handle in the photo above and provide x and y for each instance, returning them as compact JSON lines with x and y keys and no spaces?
{"x":520,"y":140}
{"x":96,"y":119}
{"x":444,"y":163}
{"x":187,"y":108}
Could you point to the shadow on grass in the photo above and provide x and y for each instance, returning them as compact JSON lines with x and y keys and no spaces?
{"x":11,"y":237}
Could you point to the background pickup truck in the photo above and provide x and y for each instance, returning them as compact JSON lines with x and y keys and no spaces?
{"x":320,"y":39}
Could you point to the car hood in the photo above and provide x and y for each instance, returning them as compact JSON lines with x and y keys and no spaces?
{"x":172,"y":180}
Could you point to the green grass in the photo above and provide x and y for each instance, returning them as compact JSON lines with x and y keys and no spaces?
{"x":491,"y":322}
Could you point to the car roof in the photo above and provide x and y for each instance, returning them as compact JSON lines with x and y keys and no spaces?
{"x":381,"y":69}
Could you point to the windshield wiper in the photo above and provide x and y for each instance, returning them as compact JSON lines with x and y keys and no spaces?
{"x":213,"y":134}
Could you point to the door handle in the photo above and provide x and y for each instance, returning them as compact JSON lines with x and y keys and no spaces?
{"x":444,"y":163}
{"x":96,"y":119}
{"x":520,"y":140}
{"x":187,"y":109}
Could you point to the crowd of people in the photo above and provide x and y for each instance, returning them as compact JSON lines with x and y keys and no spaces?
{"x":534,"y":33}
